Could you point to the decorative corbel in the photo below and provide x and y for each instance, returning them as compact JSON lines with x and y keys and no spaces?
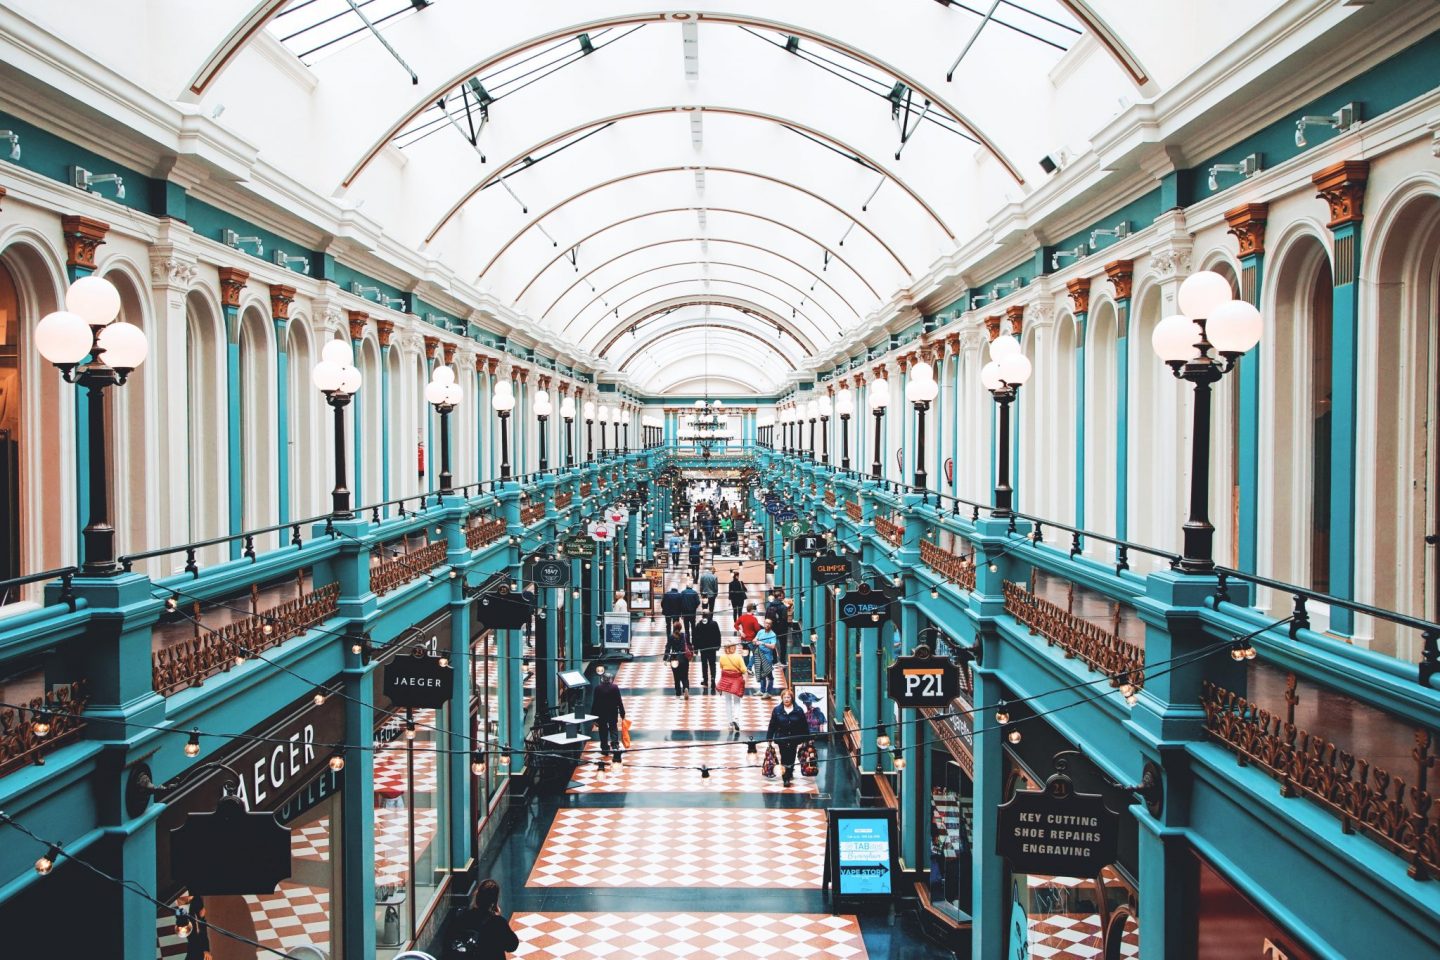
{"x":1120,"y":273}
{"x":1247,"y":225}
{"x":1342,"y":186}
{"x":952,"y":343}
{"x":1079,"y":291}
{"x":432,"y":347}
{"x":232,"y":285}
{"x":82,"y":236}
{"x":281,"y":297}
{"x":449,"y":352}
{"x":1016,"y":316}
{"x":359,"y":320}
{"x":992,"y":326}
{"x":386,"y":330}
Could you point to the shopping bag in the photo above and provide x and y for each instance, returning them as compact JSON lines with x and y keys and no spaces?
{"x":625,"y":733}
{"x":809,"y":761}
{"x":772,"y":760}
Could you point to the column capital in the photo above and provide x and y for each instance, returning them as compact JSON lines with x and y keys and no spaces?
{"x":519,"y":373}
{"x":82,"y":236}
{"x":543,"y":381}
{"x":1079,"y":293}
{"x":171,"y":269}
{"x":992,"y":326}
{"x":1247,"y":225}
{"x":358,"y":320}
{"x":281,"y":296}
{"x":563,"y":389}
{"x":432,"y":347}
{"x":386,"y":330}
{"x":860,"y":379}
{"x":1342,"y":186}
{"x":1016,"y":315}
{"x":232,"y":284}
{"x":904,"y":361}
{"x":1120,"y":273}
{"x":491,"y":365}
{"x":879,"y":371}
{"x":449,"y":352}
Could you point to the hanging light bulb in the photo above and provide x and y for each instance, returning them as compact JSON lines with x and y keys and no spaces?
{"x":574,"y":594}
{"x":47,"y":862}
{"x":505,"y":758}
{"x":1131,"y":699}
{"x":240,"y":657}
{"x":883,"y":740}
{"x":192,"y":746}
{"x":267,"y":628}
{"x":182,"y":925}
{"x":898,"y":761}
{"x":994,"y":568}
{"x":1237,"y":652}
{"x":704,"y":773}
{"x":751,"y":748}
{"x":1127,"y":689}
{"x":337,"y":762}
{"x":1002,"y":713}
{"x":814,"y":636}
{"x":409,"y":729}
{"x":171,"y":604}
{"x":40,"y":725}
{"x":935,"y":593}
{"x":444,"y":659}
{"x":1014,"y":736}
{"x":477,"y":763}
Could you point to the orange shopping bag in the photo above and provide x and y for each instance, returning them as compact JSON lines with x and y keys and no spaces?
{"x":625,"y":733}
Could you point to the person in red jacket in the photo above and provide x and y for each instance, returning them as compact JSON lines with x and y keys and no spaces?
{"x":747,"y":625}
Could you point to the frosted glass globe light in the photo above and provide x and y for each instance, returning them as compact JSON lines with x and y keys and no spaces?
{"x":63,"y":337}
{"x":1001,"y":347}
{"x":1202,"y":293}
{"x":823,"y":405}
{"x":502,"y":401}
{"x":879,"y":394}
{"x":443,"y":374}
{"x":504,"y":388}
{"x":990,"y":377}
{"x":589,"y":410}
{"x":567,"y":408}
{"x":95,"y":299}
{"x":124,"y":346}
{"x":337,"y":352}
{"x":1015,"y":369}
{"x":923,"y":372}
{"x":326,"y":376}
{"x":453,"y":394}
{"x":921,"y":391}
{"x":1235,"y":326}
{"x":435,"y":392}
{"x":1174,"y":339}
{"x":845,"y":403}
{"x":349,"y":380}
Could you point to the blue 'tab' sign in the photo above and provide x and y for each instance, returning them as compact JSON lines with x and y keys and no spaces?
{"x":864,"y":856}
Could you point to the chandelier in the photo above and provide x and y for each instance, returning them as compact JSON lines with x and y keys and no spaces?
{"x":705,"y":426}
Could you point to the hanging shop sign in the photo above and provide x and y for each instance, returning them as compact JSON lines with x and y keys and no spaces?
{"x":640,"y":594}
{"x":230,"y":851}
{"x":860,"y":854}
{"x":619,"y":516}
{"x":579,"y":547}
{"x":616,"y":634}
{"x":923,"y":680}
{"x":809,"y":544}
{"x":864,"y":607}
{"x":828,"y":569}
{"x":1057,"y":831}
{"x":418,"y":681}
{"x":549,"y":574}
{"x":794,"y":526}
{"x":601,"y":531}
{"x":504,"y":610}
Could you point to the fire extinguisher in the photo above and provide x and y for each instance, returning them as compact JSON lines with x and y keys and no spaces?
{"x":420,"y":455}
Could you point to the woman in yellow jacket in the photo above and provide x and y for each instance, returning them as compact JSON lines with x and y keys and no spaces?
{"x":731,"y":685}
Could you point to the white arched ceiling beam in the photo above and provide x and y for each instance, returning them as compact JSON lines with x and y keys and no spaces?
{"x":523,"y":35}
{"x":739,"y":304}
{"x":694,"y":330}
{"x":593,"y":124}
{"x":709,"y":240}
{"x":435,"y":34}
{"x":720,"y":288}
{"x":833,"y":253}
{"x":634,"y":337}
{"x":692,"y":384}
{"x":769,"y":280}
{"x":708,"y":170}
{"x":729,"y":354}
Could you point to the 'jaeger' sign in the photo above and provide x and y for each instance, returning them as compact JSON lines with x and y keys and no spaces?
{"x":418,"y":681}
{"x":1057,"y":831}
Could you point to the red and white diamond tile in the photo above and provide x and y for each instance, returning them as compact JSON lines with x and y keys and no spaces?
{"x":645,"y":673}
{"x":1069,"y":936}
{"x":293,"y":916}
{"x":641,"y":773}
{"x":684,"y":847}
{"x":312,"y":841}
{"x":392,"y":768}
{"x":620,"y":936}
{"x":392,"y":841}
{"x":701,"y":712}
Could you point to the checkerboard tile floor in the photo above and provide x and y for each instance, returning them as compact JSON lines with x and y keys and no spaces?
{"x":665,"y":711}
{"x":392,"y":841}
{"x":1075,"y":937}
{"x":638,"y":773}
{"x":293,"y":916}
{"x":620,"y":936}
{"x":392,"y":770}
{"x":683,"y":847}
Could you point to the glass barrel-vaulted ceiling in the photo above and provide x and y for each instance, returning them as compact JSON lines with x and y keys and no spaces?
{"x":748,"y":179}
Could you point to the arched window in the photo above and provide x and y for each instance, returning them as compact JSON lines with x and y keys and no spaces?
{"x":258,"y":475}
{"x":11,"y":427}
{"x":305,"y":404}
{"x":1062,"y":423}
{"x":1102,"y":344}
{"x":369,"y":417}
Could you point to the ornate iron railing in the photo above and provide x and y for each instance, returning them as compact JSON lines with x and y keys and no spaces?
{"x":389,"y":574}
{"x":890,"y":531}
{"x":21,"y":746}
{"x":189,"y":663}
{"x":852,"y":510}
{"x":830,"y":498}
{"x":532,"y":512}
{"x":486,"y":531}
{"x":1401,"y":817}
{"x":1096,"y":647}
{"x":585,"y":489}
{"x":563,"y":499}
{"x":951,"y":566}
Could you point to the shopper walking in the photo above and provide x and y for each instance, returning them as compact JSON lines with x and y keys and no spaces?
{"x":709,"y":588}
{"x":737,"y":594}
{"x":706,"y":642}
{"x":481,"y":931}
{"x":689,"y":606}
{"x":609,"y":707}
{"x":765,"y":654}
{"x":677,"y":654}
{"x":788,"y":730}
{"x":747,"y":626}
{"x":674,"y":542}
{"x":670,"y":607}
{"x":732,"y":684}
{"x":696,"y":545}
{"x":778,"y":613}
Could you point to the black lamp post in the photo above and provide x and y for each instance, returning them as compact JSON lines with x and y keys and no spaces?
{"x":879,"y":400}
{"x":1211,"y":320}
{"x":920,"y":391}
{"x":1003,"y":376}
{"x":542,"y":415}
{"x":823,"y":406}
{"x":589,"y":430}
{"x":567,"y":411}
{"x":810,"y":409}
{"x":443,"y":393}
{"x":503,"y":401}
{"x":845,"y":406}
{"x":87,"y":328}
